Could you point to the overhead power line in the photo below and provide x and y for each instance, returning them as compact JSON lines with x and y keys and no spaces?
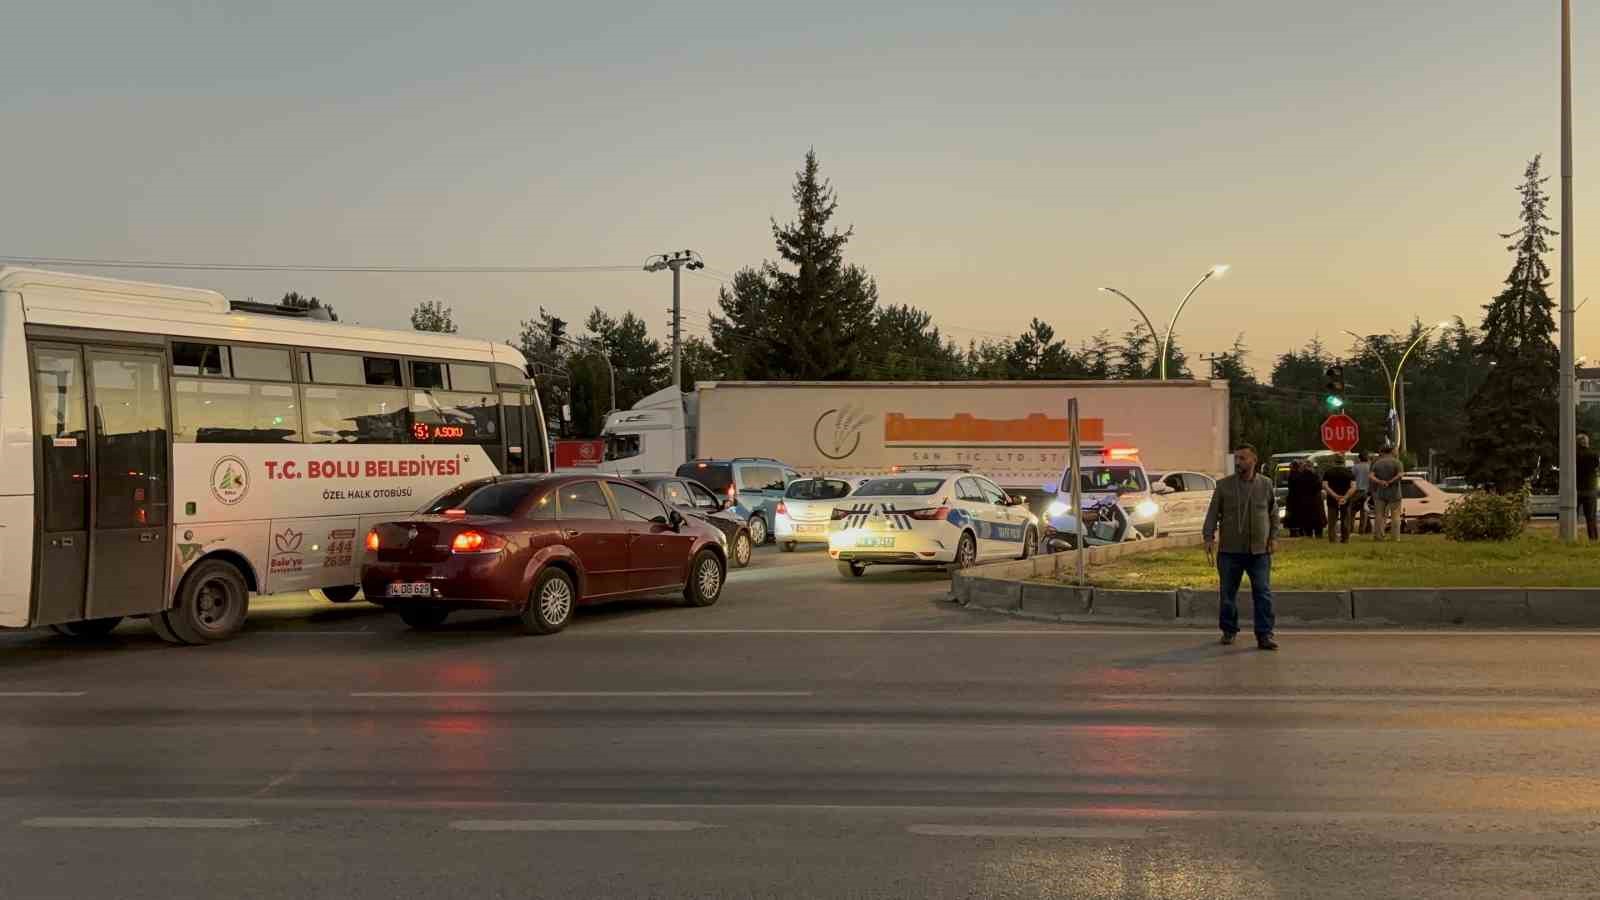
{"x":252,"y":267}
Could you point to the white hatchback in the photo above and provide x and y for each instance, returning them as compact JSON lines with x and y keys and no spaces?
{"x":805,"y":513}
{"x":930,"y":519}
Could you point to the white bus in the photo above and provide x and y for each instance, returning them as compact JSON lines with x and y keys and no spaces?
{"x":165,"y":453}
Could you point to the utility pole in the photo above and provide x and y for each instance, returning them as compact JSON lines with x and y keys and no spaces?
{"x":1568,"y":460}
{"x":676,"y":261}
{"x":1211,"y":359}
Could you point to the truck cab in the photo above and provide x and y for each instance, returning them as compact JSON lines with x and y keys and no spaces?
{"x":653,"y":436}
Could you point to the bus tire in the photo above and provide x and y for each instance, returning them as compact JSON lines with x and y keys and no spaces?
{"x":343,"y":593}
{"x":213,"y":600}
{"x":88,"y":628}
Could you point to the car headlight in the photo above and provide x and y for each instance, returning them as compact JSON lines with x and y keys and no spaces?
{"x":1147,"y":509}
{"x":1056,"y":508}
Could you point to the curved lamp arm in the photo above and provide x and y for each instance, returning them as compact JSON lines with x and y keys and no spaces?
{"x":1154,"y":335}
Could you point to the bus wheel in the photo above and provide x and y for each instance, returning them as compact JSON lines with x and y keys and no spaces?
{"x":344,"y":593}
{"x":212,"y":602}
{"x":88,"y":628}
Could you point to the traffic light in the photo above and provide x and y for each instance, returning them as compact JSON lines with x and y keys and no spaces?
{"x":1335,"y":387}
{"x":558,"y":333}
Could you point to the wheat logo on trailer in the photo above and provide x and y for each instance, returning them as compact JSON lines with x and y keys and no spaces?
{"x":230,"y":480}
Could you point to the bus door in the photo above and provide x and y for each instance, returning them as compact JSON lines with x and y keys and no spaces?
{"x":524,"y":443}
{"x":103,"y":483}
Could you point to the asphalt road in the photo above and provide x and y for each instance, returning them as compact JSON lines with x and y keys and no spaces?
{"x":808,"y":736}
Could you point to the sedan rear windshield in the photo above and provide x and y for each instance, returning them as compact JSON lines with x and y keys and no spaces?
{"x":717,"y":476}
{"x":901,"y":487}
{"x":817,"y":489}
{"x":1122,"y":479}
{"x":493,"y":499}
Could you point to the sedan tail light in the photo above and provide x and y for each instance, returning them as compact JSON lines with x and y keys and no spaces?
{"x":931,"y":514}
{"x":476,"y":542}
{"x":781,"y":510}
{"x":372,"y":541}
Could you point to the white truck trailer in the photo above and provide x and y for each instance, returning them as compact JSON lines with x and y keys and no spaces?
{"x":1013,"y":431}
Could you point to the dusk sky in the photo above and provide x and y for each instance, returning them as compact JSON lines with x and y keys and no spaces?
{"x":1353,"y":161}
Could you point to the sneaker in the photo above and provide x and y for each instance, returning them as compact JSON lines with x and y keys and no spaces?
{"x":1228,"y":636}
{"x":1266,"y":643}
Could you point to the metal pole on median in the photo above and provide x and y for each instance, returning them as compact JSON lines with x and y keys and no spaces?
{"x":1567,"y":462}
{"x":1073,"y":471}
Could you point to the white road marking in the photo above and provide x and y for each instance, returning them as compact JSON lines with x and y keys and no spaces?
{"x":135,"y":822}
{"x":578,"y":825}
{"x":1107,"y":833}
{"x":1384,"y":698}
{"x":598,"y":694}
{"x":1102,"y":631}
{"x":43,"y":693}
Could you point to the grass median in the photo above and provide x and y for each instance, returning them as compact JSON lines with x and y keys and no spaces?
{"x":1307,"y":564}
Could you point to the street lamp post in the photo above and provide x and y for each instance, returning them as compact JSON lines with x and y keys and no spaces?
{"x":1396,"y":387}
{"x":1163,"y":345}
{"x":676,"y":261}
{"x":1568,"y":461}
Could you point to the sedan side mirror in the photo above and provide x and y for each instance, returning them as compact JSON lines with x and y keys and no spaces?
{"x":675,"y":520}
{"x":1016,"y":501}
{"x":1162,"y":487}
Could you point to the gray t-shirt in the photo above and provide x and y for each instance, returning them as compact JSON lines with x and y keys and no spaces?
{"x":1387,"y":467}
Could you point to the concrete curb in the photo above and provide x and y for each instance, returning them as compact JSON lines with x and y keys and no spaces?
{"x":1010,"y":588}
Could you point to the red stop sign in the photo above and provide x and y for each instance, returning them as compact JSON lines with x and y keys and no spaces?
{"x":1340,"y":433}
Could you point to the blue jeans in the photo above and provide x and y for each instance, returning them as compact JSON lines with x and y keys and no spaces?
{"x":1232,"y":567}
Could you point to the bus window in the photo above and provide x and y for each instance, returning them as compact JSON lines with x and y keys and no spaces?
{"x":382,"y":371}
{"x":208,"y":411}
{"x":427,"y":375}
{"x":260,"y":364}
{"x":468,"y":377}
{"x":447,"y":417}
{"x":345,"y":415}
{"x":334,"y":368}
{"x":197,"y":359}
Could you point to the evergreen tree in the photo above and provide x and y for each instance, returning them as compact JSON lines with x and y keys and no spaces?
{"x":806,"y":323}
{"x":549,"y":365}
{"x":1099,"y":356}
{"x":296,"y":300}
{"x":1135,"y":352}
{"x":641,"y":364}
{"x":1512,"y":418}
{"x":700,"y":362}
{"x":907,"y":346}
{"x":433,"y":315}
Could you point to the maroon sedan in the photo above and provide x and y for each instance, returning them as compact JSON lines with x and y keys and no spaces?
{"x":537,"y":545}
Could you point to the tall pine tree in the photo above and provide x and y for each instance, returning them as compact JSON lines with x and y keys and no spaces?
{"x":1512,"y":419}
{"x":810,"y":323}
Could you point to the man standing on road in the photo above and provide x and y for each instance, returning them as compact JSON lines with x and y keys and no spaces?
{"x":1246,"y":509}
{"x":1588,"y":468}
{"x":1363,"y":491}
{"x":1339,"y":486}
{"x":1386,"y":475}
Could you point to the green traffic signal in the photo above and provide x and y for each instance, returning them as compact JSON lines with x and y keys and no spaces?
{"x":1335,"y":401}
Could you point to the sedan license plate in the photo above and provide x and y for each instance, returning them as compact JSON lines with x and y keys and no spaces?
{"x":874,"y":542}
{"x":411,"y":589}
{"x":809,"y":529}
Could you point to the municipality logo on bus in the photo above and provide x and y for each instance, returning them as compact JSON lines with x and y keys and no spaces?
{"x":230,"y":480}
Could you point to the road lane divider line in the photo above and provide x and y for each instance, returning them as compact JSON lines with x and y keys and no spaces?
{"x":579,"y":825}
{"x":137,"y":822}
{"x":1093,"y":833}
{"x":1384,"y":699}
{"x":732,"y":695}
{"x":43,"y":693}
{"x":1103,"y":631}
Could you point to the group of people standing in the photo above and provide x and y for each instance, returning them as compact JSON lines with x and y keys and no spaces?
{"x":1334,"y":500}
